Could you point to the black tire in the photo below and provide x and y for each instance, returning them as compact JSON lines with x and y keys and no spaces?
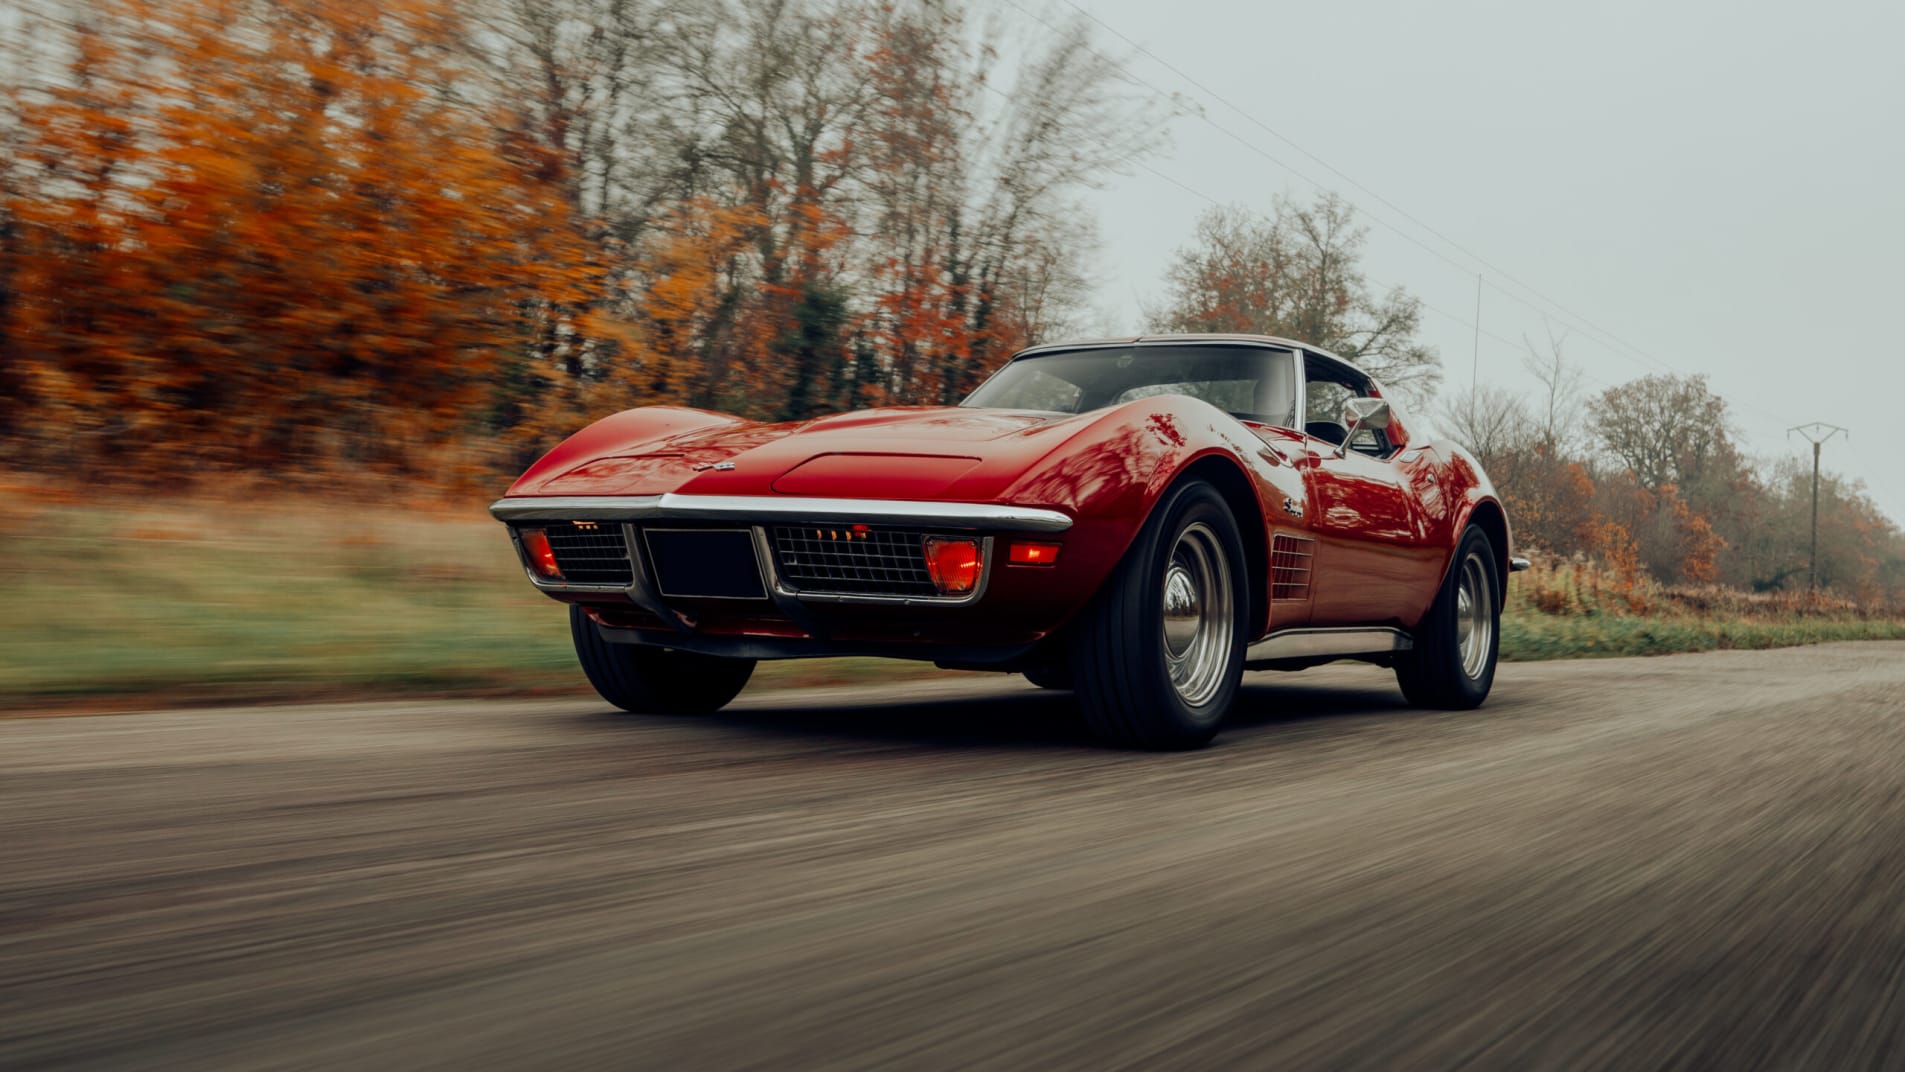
{"x":1121,"y":656}
{"x":646,"y":680}
{"x":1439,"y":672}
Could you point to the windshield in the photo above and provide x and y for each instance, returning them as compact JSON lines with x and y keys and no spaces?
{"x":1250,"y":382}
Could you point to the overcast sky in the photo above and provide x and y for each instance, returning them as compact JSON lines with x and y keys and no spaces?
{"x":1716,"y":183}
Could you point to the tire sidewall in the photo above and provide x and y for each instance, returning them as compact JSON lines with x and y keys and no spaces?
{"x":1474,"y":690}
{"x":1190,"y":503}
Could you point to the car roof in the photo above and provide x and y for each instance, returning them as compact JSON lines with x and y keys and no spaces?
{"x":1268,"y":342}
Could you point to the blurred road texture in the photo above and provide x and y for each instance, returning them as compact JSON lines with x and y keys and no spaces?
{"x":1695,"y":861}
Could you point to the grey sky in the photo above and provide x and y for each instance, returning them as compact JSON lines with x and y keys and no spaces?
{"x":1716,"y":183}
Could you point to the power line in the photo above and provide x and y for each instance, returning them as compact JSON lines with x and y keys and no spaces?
{"x":1581,"y":324}
{"x":1518,"y":346}
{"x":1371,"y":194}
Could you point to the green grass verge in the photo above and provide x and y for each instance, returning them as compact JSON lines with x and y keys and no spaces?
{"x":288,"y":600}
{"x":1531,"y":635}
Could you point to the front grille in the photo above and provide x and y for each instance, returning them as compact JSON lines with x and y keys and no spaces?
{"x":852,"y":560}
{"x":589,"y":552}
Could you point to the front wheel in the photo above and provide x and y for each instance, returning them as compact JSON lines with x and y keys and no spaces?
{"x":1158,"y":656}
{"x":1452,"y":665}
{"x":646,"y":680}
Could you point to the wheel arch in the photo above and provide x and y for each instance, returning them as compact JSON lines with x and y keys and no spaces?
{"x":1488,"y":515}
{"x":1112,"y":475}
{"x":1225,"y":475}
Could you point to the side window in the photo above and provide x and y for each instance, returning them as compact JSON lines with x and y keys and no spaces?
{"x":1327,"y":389}
{"x":1277,"y":401}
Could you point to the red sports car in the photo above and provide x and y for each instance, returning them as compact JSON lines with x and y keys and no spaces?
{"x":1137,"y":520}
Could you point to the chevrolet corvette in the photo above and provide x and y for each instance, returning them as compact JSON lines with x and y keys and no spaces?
{"x":1138,"y":521}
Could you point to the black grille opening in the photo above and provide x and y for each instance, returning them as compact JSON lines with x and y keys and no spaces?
{"x":589,"y":552}
{"x":705,"y":563}
{"x":852,"y":560}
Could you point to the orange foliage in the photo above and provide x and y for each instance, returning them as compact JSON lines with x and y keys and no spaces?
{"x":288,"y":236}
{"x":300,"y":252}
{"x":1700,"y":546}
{"x":1618,"y":548}
{"x":1551,"y":501}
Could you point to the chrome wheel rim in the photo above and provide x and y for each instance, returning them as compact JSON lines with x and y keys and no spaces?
{"x":1474,"y":616}
{"x":1198,"y":622}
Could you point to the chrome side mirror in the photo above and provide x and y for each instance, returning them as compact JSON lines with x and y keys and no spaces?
{"x":1361,"y":413}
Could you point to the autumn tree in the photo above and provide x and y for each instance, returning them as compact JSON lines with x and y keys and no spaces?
{"x":1548,"y":491}
{"x":260,"y":234}
{"x":1664,"y":429}
{"x":1297,"y":273}
{"x":972,"y":236}
{"x":912,"y":222}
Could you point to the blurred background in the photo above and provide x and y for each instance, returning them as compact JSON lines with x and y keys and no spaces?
{"x":290,"y":290}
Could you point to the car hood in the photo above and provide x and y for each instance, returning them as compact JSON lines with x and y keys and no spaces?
{"x":937,"y":453}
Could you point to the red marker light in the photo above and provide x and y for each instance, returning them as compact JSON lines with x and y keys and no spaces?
{"x":953,"y":564}
{"x":542,"y":557}
{"x":1033,"y":554}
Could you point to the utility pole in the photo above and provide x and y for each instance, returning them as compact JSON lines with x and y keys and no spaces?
{"x":1816,"y":433}
{"x":1475,"y":355}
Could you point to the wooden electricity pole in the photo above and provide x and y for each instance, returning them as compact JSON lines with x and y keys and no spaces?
{"x":1816,"y":433}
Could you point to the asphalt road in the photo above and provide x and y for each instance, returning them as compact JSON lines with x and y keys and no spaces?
{"x":1695,"y":861}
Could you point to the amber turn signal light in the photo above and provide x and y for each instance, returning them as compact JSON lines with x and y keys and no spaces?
{"x":1033,"y":554}
{"x":953,"y":564}
{"x":542,"y":557}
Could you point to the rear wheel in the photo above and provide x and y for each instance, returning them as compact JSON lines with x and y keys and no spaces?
{"x":647,"y":680}
{"x":1452,"y":665}
{"x":1158,"y":656}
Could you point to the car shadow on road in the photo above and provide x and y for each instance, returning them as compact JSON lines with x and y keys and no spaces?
{"x":1030,"y":718}
{"x":1268,"y":700}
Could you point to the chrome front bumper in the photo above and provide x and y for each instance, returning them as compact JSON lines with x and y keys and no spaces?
{"x":768,"y":508}
{"x":755,"y":513}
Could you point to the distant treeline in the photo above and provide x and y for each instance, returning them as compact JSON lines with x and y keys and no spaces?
{"x":1646,"y":476}
{"x":426,"y":239}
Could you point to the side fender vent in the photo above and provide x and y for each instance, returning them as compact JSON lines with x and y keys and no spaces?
{"x":1290,"y":560}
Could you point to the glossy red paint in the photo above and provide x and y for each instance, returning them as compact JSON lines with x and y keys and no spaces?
{"x":1380,"y":532}
{"x":904,"y":476}
{"x":593,"y":457}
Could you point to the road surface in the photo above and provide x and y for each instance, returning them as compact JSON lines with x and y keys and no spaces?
{"x":1695,"y":861}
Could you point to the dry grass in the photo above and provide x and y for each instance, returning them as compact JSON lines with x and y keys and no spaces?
{"x":1569,"y":608}
{"x":265,"y":594}
{"x":282,"y":598}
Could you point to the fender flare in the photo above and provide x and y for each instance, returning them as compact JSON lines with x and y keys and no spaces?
{"x":1487,"y":512}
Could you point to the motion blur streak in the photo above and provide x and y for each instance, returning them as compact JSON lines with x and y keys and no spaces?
{"x":1690,"y":860}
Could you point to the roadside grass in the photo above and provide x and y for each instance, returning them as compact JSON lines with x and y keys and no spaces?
{"x":1568,"y":610}
{"x":285,"y":597}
